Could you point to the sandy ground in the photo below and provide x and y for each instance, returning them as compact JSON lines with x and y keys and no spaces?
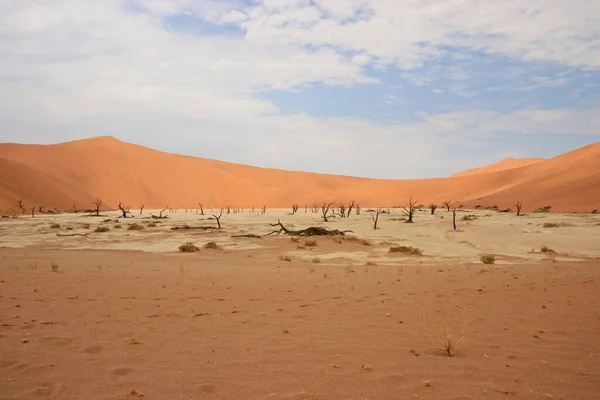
{"x":122,"y":314}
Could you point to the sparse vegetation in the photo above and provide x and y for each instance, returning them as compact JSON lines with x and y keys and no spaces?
{"x":124,"y":210}
{"x":218,"y":218}
{"x":487,"y":258}
{"x":544,"y":209}
{"x":98,"y":204}
{"x":446,"y":330}
{"x":54,"y":225}
{"x":211,"y":245}
{"x":310,"y":243}
{"x":406,"y":250}
{"x":285,"y":258}
{"x":410,"y":211}
{"x":54,"y":267}
{"x":546,"y":249}
{"x":151,"y":225}
{"x":101,"y":229}
{"x":375,"y":217}
{"x":86,"y":226}
{"x":519,"y":206}
{"x":469,"y":217}
{"x":117,"y":226}
{"x":135,"y":227}
{"x":325,"y":210}
{"x":550,"y":225}
{"x":188,"y":247}
{"x":433,"y":207}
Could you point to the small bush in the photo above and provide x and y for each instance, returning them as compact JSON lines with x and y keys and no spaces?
{"x":188,"y":247}
{"x":135,"y":227}
{"x":54,"y":267}
{"x":285,"y":258}
{"x":117,"y":226}
{"x":469,"y":217}
{"x":211,"y":245}
{"x":595,"y":211}
{"x":487,"y":258}
{"x":406,"y":250}
{"x":546,"y":249}
{"x":55,"y":225}
{"x":544,"y":209}
{"x":101,"y":229}
{"x":550,"y":225}
{"x":310,"y":243}
{"x":152,"y":225}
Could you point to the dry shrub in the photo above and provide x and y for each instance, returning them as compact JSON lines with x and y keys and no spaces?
{"x":310,"y":243}
{"x":69,"y":228}
{"x":86,"y":226}
{"x":469,"y":217}
{"x":550,"y":225}
{"x":117,"y":226}
{"x":152,"y":225}
{"x":446,"y":329}
{"x":135,"y":227}
{"x":101,"y":229}
{"x":355,"y":239}
{"x":54,"y":225}
{"x":371,"y":263}
{"x":211,"y":245}
{"x":546,"y":249}
{"x":487,"y":258}
{"x":285,"y":258}
{"x":406,"y":250}
{"x":188,"y":247}
{"x":54,"y":267}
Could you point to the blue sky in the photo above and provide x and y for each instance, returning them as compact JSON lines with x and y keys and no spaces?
{"x":378,"y":88}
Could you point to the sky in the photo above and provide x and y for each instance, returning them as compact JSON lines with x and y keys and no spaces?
{"x":374,"y":88}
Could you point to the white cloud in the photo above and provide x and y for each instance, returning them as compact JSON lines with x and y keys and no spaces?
{"x":73,"y":68}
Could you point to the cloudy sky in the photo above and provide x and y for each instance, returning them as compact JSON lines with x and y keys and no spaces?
{"x":379,"y":88}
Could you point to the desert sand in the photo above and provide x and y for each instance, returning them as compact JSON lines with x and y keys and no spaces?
{"x":73,"y":174}
{"x":123,"y":314}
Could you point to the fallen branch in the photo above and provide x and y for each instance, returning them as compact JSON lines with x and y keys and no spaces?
{"x":249,"y":235}
{"x":311,"y":231}
{"x":187,"y":227}
{"x":71,"y":234}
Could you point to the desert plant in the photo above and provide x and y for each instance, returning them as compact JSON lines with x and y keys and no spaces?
{"x":54,"y":225}
{"x":117,"y":226}
{"x":54,"y":267}
{"x":546,"y":249}
{"x":550,"y":225}
{"x":21,"y":206}
{"x":285,"y":258}
{"x":201,"y":208}
{"x":454,"y":218}
{"x":541,"y":210}
{"x":135,"y":227}
{"x":406,"y":250}
{"x":374,"y":217}
{"x":294,"y":208}
{"x":325,"y":210}
{"x":446,"y":329}
{"x":152,"y":225}
{"x":188,"y":247}
{"x":350,"y":207}
{"x":211,"y":245}
{"x":310,"y":243}
{"x":142,"y":206}
{"x":86,"y":226}
{"x":124,"y":210}
{"x":487,"y":258}
{"x":410,"y":211}
{"x":469,"y":217}
{"x":98,"y":203}
{"x":101,"y":229}
{"x":447,"y":205}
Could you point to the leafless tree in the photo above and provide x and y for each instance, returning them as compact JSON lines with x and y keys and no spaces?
{"x":375,"y":217}
{"x":264,"y":210}
{"x":342,"y":210}
{"x":142,"y":205}
{"x":21,"y":207}
{"x":433,"y":207}
{"x":358,"y":209}
{"x":294,"y":209}
{"x":454,"y":218}
{"x":201,"y":208}
{"x":124,"y":210}
{"x":350,"y":207}
{"x":219,"y":218}
{"x":98,"y":204}
{"x":325,"y":210}
{"x":305,"y":209}
{"x":32,"y":211}
{"x":75,"y":210}
{"x":410,"y":211}
{"x":519,"y":205}
{"x":446,"y":204}
{"x":228,"y":208}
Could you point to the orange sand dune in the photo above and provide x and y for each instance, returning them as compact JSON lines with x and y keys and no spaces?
{"x":509,"y":163}
{"x":74,"y":173}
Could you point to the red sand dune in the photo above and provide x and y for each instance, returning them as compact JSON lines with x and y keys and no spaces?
{"x":509,"y":163}
{"x":75,"y":173}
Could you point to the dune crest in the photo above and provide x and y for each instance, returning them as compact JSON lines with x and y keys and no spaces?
{"x":75,"y":173}
{"x":506,"y":164}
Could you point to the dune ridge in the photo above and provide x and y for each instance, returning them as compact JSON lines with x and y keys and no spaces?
{"x":75,"y":173}
{"x":506,"y":164}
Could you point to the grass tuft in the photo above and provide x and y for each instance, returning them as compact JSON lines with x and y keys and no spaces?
{"x":101,"y":229}
{"x":406,"y":250}
{"x":188,"y":247}
{"x":211,"y":245}
{"x":487,"y":258}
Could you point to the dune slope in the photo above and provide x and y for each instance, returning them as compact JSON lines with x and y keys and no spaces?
{"x":75,"y":173}
{"x":506,"y":164}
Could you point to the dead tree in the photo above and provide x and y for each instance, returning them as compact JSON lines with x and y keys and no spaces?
{"x":446,"y":204}
{"x":201,"y":208}
{"x":228,"y":208}
{"x":75,"y":210}
{"x":294,"y":209}
{"x":519,"y":205}
{"x":305,"y":209}
{"x":21,"y":207}
{"x":375,"y":218}
{"x":454,"y":218}
{"x":342,"y":210}
{"x":350,"y":207}
{"x":219,"y":218}
{"x":32,"y":211}
{"x":433,"y":207}
{"x":357,"y":209}
{"x":311,"y":231}
{"x":160,"y":215}
{"x":142,"y":208}
{"x":315,"y":208}
{"x":410,"y":211}
{"x":264,"y":210}
{"x":98,"y":204}
{"x":124,"y":210}
{"x":325,"y":210}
